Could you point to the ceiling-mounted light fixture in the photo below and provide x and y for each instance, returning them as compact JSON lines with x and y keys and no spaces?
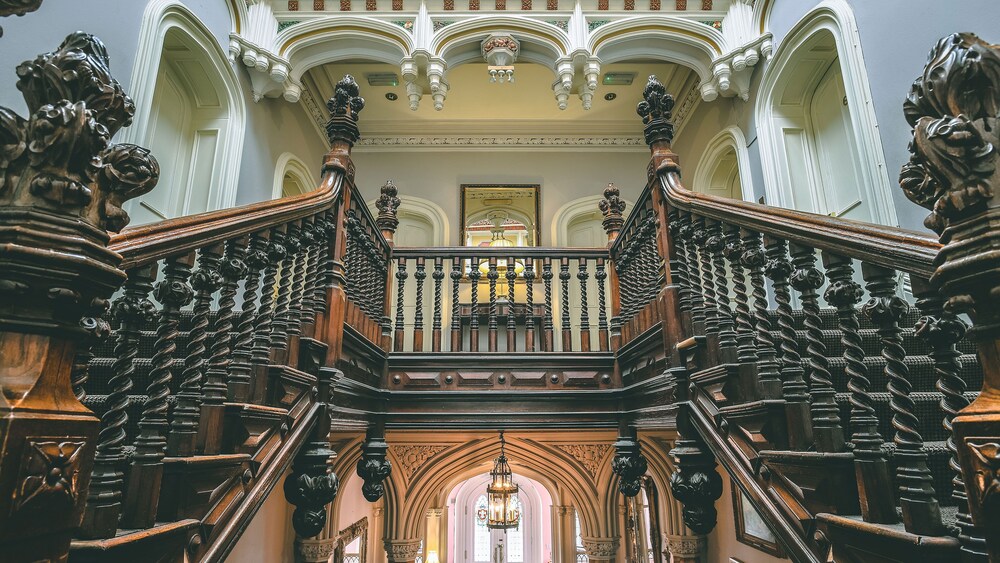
{"x":501,"y":495}
{"x":500,"y":52}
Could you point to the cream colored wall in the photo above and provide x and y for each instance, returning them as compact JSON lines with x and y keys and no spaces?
{"x":722,"y":544}
{"x":269,"y":538}
{"x":564,"y":176}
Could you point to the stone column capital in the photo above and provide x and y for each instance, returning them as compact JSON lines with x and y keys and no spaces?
{"x":402,"y":551}
{"x":315,"y":551}
{"x":601,"y":549}
{"x":684,"y":548}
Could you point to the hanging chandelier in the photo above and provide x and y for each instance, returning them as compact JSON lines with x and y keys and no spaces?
{"x":501,"y":494}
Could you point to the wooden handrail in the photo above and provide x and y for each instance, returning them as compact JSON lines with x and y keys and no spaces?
{"x":501,"y":252}
{"x":147,"y":243}
{"x":891,"y":247}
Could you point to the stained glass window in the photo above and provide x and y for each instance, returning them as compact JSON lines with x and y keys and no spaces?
{"x":481,"y":540}
{"x":515,"y":537}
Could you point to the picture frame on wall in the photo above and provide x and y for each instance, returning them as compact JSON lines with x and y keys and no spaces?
{"x":750,"y":526}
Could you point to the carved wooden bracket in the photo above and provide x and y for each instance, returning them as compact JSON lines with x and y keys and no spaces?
{"x":954,"y":108}
{"x":374,"y":467}
{"x":311,"y":486}
{"x":629,"y":464}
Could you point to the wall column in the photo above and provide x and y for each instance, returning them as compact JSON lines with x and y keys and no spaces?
{"x":432,"y":542}
{"x":376,"y":553}
{"x":684,"y":549}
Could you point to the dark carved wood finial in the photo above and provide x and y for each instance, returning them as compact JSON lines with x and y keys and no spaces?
{"x":342,"y":128}
{"x":613,"y":209}
{"x":387,"y":204}
{"x":954,"y":108}
{"x":654,"y":109}
{"x":62,"y":187}
{"x":629,"y":464}
{"x":374,"y":467}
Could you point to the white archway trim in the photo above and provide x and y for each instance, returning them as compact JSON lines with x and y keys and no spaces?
{"x":288,"y":163}
{"x":836,"y":17}
{"x":565,"y":215}
{"x":426,"y":209}
{"x":729,"y":138}
{"x":159,"y":18}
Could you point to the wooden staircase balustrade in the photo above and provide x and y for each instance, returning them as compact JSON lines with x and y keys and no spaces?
{"x":776,"y":392}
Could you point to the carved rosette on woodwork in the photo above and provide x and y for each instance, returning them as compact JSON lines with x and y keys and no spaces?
{"x":342,"y":127}
{"x":387,"y":204}
{"x":374,"y":467}
{"x":311,"y":486}
{"x":613,"y":209}
{"x":62,"y":187}
{"x":629,"y":464}
{"x":600,"y":549}
{"x":954,"y":108}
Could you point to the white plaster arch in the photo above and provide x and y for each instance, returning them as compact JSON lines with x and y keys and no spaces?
{"x":541,"y":35}
{"x":326,"y":40}
{"x":238,"y":13}
{"x":288,"y":163}
{"x":837,"y":18}
{"x":425,"y":209}
{"x":159,"y":18}
{"x":729,"y":138}
{"x":570,"y":211}
{"x":533,"y":502}
{"x":667,"y":38}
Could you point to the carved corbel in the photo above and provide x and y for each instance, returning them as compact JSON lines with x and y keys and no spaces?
{"x":695,"y":482}
{"x":629,"y":464}
{"x":62,"y":187}
{"x":954,"y":109}
{"x":374,"y":467}
{"x":312,"y":484}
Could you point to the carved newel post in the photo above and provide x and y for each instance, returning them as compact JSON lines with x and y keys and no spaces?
{"x":654,"y":109}
{"x":387,"y":204}
{"x":954,"y":108}
{"x":62,"y":187}
{"x":628,"y":464}
{"x":613,"y":209}
{"x":374,"y":467}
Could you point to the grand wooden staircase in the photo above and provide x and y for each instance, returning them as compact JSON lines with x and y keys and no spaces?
{"x":827,"y":366}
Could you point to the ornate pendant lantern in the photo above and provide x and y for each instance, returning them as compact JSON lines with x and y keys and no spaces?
{"x":501,"y":495}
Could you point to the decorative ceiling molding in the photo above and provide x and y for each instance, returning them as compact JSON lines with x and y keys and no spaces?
{"x":412,"y":457}
{"x":591,"y":456}
{"x":499,"y":142}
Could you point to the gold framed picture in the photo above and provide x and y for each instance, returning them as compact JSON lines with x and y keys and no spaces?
{"x":750,"y":526}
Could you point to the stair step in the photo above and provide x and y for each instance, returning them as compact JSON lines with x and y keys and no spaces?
{"x":828,"y":318}
{"x":938,"y":458}
{"x":921,"y":372}
{"x":872,"y":344}
{"x":927,"y":408}
{"x":147,"y":342}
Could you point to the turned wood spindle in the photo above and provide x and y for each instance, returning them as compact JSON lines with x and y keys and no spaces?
{"x":276,"y":252}
{"x":529,"y":300}
{"x":511,"y":275}
{"x":492,"y":276}
{"x":186,"y":415}
{"x":870,"y":463}
{"x":474,"y":275}
{"x":564,"y":321}
{"x":547,"y":325}
{"x":601,"y":275}
{"x":768,"y":374}
{"x":419,"y":275}
{"x":438,"y":277}
{"x":398,"y":337}
{"x":746,"y":352}
{"x":584,"y":278}
{"x":456,"y":317}
{"x":239,"y":369}
{"x":715,"y":246}
{"x":145,"y":475}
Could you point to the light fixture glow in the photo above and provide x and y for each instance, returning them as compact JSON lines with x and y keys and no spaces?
{"x":501,"y":495}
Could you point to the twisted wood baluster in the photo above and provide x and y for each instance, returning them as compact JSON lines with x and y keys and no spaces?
{"x":529,"y":298}
{"x":686,"y":239}
{"x":511,"y":274}
{"x":474,"y":275}
{"x":564,"y":322}
{"x":679,"y":266}
{"x":873,"y":475}
{"x":283,"y":311}
{"x":206,"y":280}
{"x":652,"y":264}
{"x":828,"y":433}
{"x":768,"y":375}
{"x":352,"y":258}
{"x":173,"y":292}
{"x":215,"y":389}
{"x":746,"y":352}
{"x":492,"y":276}
{"x":239,"y":371}
{"x":921,"y":512}
{"x":547,"y":325}
{"x":793,"y":386}
{"x":715,"y":244}
{"x":584,"y":278}
{"x":311,"y":300}
{"x":104,"y":498}
{"x":276,"y":252}
{"x":943,"y":330}
{"x":419,"y":275}
{"x":298,"y":289}
{"x":700,"y":239}
{"x":456,"y":317}
{"x":398,"y":336}
{"x":438,"y":276}
{"x":601,"y":275}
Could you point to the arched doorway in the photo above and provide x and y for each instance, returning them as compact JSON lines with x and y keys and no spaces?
{"x":530,"y":542}
{"x":724,"y":168}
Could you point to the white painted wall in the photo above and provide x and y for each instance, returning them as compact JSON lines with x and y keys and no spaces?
{"x":722,"y":544}
{"x":563,"y":175}
{"x":269,"y":538}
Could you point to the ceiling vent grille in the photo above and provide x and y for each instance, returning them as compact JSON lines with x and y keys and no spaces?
{"x":618,"y":78}
{"x":382,"y":79}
